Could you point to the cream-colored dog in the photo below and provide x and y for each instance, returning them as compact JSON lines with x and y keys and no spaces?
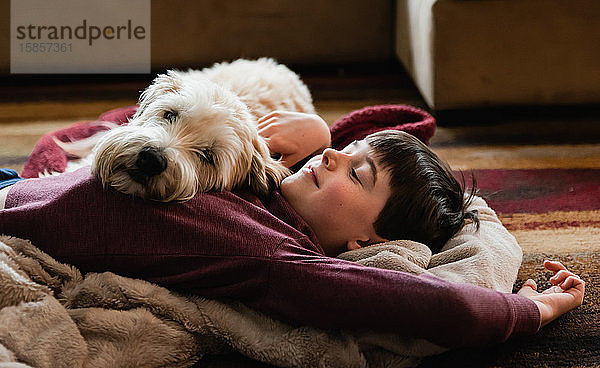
{"x":197,"y":131}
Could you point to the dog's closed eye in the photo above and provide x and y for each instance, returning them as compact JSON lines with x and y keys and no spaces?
{"x":207,"y":155}
{"x":170,"y":116}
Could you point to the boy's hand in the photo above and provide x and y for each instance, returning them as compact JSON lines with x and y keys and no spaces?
{"x":294,"y":135}
{"x":566,"y":294}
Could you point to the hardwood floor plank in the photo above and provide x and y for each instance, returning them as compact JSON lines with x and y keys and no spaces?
{"x":581,"y":156}
{"x":22,"y":112}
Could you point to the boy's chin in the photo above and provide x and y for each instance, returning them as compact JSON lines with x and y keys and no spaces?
{"x":291,"y":181}
{"x":286,"y":187}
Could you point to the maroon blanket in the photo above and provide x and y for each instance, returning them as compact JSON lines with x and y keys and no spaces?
{"x":48,"y":156}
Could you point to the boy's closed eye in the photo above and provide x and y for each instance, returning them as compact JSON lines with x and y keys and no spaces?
{"x":356,"y":177}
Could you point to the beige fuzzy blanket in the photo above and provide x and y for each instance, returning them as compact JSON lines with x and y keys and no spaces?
{"x":52,"y":316}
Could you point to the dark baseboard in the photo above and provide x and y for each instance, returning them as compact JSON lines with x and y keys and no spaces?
{"x":499,"y":114}
{"x":383,"y":80}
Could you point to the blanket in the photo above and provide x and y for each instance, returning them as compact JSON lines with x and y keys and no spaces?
{"x":53,"y":316}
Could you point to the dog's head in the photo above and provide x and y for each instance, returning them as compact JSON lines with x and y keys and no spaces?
{"x":188,"y":135}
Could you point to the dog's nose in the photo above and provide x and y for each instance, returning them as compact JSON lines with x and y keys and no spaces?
{"x":150,"y":161}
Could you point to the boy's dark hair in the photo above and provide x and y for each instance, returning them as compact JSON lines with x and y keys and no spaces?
{"x":427,"y":204}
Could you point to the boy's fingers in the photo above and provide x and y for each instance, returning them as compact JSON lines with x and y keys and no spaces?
{"x":529,"y":284}
{"x":577,"y":291}
{"x":568,"y":283}
{"x":553,"y":290}
{"x":270,"y":115}
{"x":554,"y":266}
{"x":267,"y":120}
{"x":264,"y":118}
{"x":560,"y":276}
{"x":262,"y":124}
{"x":528,"y":290}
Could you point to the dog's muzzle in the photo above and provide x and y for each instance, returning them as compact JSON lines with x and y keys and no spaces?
{"x":150,"y":162}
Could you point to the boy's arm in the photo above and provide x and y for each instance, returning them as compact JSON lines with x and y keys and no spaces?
{"x":331,"y":293}
{"x":335,"y":294}
{"x":294,"y":135}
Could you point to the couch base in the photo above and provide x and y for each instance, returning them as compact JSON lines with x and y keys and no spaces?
{"x":501,"y":52}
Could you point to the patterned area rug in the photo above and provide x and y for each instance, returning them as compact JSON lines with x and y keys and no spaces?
{"x":554,"y":214}
{"x":543,"y":180}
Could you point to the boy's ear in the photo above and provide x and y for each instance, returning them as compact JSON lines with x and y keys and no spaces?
{"x":355,"y":244}
{"x":352,"y":245}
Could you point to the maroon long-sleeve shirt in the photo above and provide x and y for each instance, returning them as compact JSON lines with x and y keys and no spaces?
{"x":235,"y":246}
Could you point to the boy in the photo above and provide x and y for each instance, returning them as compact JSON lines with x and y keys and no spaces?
{"x":271,"y":254}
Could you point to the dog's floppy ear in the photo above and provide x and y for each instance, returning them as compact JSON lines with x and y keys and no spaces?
{"x":163,"y":83}
{"x":266,"y":173}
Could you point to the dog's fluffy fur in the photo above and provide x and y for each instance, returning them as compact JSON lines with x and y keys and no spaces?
{"x":197,"y":131}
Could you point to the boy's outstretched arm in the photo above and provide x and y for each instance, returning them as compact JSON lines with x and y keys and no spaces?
{"x":294,"y":135}
{"x":566,"y":294}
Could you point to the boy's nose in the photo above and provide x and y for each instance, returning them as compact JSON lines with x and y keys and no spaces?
{"x":331,"y":158}
{"x":325,"y":158}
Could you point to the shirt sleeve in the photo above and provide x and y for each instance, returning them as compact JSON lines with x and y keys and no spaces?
{"x":330,"y":293}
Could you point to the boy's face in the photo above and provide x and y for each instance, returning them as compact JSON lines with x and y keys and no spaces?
{"x":340,"y":195}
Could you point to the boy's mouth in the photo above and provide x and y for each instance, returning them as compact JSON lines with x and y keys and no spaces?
{"x":314,"y":176}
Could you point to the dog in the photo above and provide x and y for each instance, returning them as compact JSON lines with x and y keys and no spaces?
{"x":196,"y":131}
